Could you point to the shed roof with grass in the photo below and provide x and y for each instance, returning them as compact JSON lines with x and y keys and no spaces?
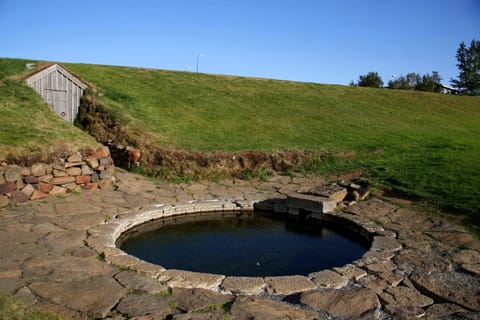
{"x":60,"y":89}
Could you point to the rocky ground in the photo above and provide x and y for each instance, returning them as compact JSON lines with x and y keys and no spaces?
{"x":428,"y":267}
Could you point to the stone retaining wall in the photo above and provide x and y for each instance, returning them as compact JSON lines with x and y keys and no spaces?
{"x":89,"y":171}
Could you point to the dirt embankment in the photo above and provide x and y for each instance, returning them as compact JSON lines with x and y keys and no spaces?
{"x":168,"y":163}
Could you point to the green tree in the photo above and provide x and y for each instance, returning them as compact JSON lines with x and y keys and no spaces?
{"x":430,"y":83}
{"x":371,"y":79}
{"x":468,"y":81}
{"x":408,"y":82}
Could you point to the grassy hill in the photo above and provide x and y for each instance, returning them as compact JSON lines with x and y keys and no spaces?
{"x":422,"y":144}
{"x":27,"y":124}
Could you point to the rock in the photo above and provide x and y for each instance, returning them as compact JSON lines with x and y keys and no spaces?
{"x":13,"y":174}
{"x":62,"y":180}
{"x":373,"y":208}
{"x":2,"y":179}
{"x":105,"y":184}
{"x":4,"y":201}
{"x":19,"y":197}
{"x":246,"y":308}
{"x":91,"y":186}
{"x":56,"y":191}
{"x":288,"y":285}
{"x":31,"y":180}
{"x":74,"y":171}
{"x":472,"y":268}
{"x":421,"y":261}
{"x":60,"y":173}
{"x":357,"y":303}
{"x":45,"y":178}
{"x":360,"y":194}
{"x":37,"y":170}
{"x":26,"y":295}
{"x":385,"y":244}
{"x":37,"y":194}
{"x":381,"y":267}
{"x":86,"y":170}
{"x":65,"y":268}
{"x":104,"y":175}
{"x":405,"y":312}
{"x":466,"y":257}
{"x":329,"y":279}
{"x":443,"y":310}
{"x":83,"y":179}
{"x":44,"y":187}
{"x":243,"y":285}
{"x":7,"y":187}
{"x":332,"y":191}
{"x":138,"y":282}
{"x":455,"y":287}
{"x":144,"y":304}
{"x":202,"y":315}
{"x":352,"y":272}
{"x":454,"y":239}
{"x":190,"y":300}
{"x":101,"y":152}
{"x":92,"y":163}
{"x":76,"y":157}
{"x":405,"y":297}
{"x":310,"y":203}
{"x":188,"y":279}
{"x":93,"y":296}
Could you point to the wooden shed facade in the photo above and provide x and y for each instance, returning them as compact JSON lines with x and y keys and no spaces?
{"x":60,"y":89}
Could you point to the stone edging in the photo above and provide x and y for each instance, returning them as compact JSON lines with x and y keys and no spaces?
{"x":70,"y":173}
{"x":103,"y":239}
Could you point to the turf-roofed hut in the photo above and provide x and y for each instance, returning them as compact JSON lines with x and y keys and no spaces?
{"x":59,"y":88}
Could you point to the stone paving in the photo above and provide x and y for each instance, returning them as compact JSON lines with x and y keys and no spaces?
{"x":53,"y":256}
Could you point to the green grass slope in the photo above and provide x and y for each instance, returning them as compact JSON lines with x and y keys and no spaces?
{"x":423,"y":144}
{"x":27,"y":124}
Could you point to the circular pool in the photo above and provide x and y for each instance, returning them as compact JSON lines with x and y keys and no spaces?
{"x":243,"y":244}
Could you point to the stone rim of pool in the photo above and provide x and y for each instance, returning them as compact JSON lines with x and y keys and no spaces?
{"x":103,"y":238}
{"x":244,"y":244}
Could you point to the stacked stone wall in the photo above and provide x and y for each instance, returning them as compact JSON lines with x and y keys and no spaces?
{"x":71,"y":173}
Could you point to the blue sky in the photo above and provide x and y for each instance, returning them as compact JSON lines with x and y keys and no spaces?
{"x":319,"y":41}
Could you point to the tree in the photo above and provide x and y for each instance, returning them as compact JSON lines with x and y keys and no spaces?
{"x":407,"y":82}
{"x":371,"y":79}
{"x":468,"y":81}
{"x":430,"y":83}
{"x":413,"y":81}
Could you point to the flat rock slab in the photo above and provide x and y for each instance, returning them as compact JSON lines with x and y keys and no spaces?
{"x":144,"y":304}
{"x":373,"y":208}
{"x":207,"y":315}
{"x":385,"y":244}
{"x":191,"y":300}
{"x":310,"y":203}
{"x":329,"y":279}
{"x":421,"y":261}
{"x":94,"y":297}
{"x":459,"y":288}
{"x":289,"y":285}
{"x":138,"y":282}
{"x":349,"y":304}
{"x":404,"y":297}
{"x":247,"y":308}
{"x":187,"y":279}
{"x":243,"y":285}
{"x":65,"y":268}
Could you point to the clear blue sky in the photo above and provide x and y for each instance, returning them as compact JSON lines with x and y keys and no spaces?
{"x":331,"y":41}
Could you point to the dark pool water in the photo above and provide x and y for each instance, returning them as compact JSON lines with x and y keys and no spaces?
{"x":249,"y":245}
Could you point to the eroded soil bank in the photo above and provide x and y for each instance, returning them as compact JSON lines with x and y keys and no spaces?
{"x":168,"y":163}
